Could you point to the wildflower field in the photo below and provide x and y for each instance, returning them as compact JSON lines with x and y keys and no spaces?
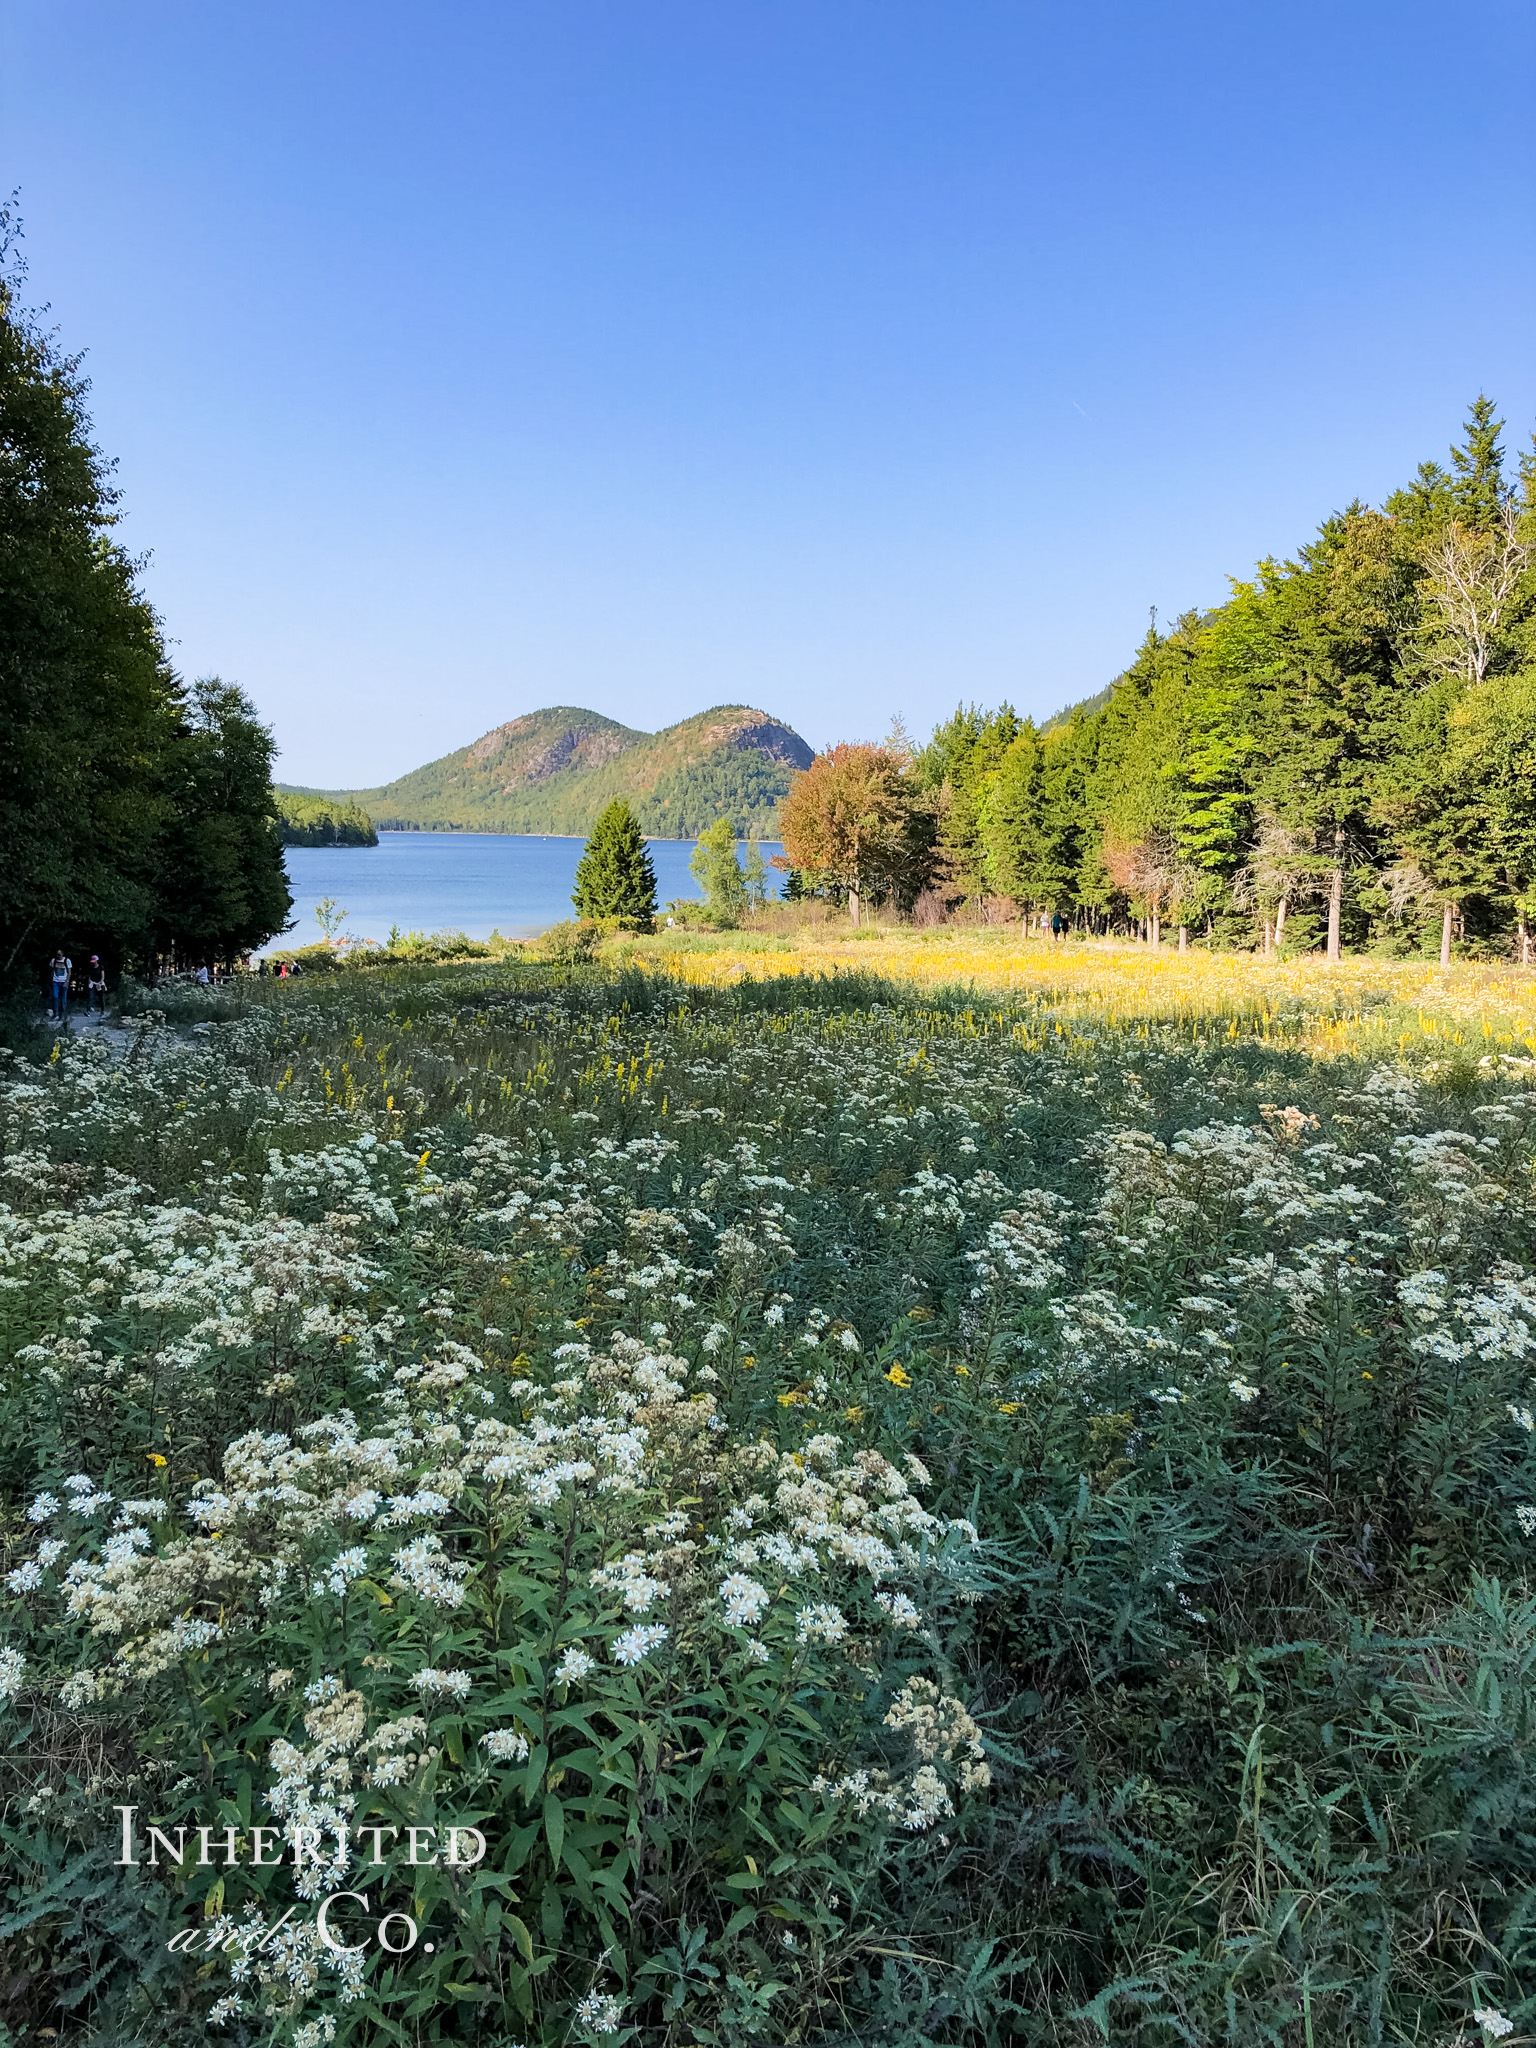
{"x":735,"y":1498}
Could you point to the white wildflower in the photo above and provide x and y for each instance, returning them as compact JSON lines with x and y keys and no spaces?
{"x":745,"y":1600}
{"x":599,"y":2013}
{"x":505,"y":1746}
{"x":820,"y":1623}
{"x":637,"y":1643}
{"x":453,"y":1684}
{"x":340,"y":1572}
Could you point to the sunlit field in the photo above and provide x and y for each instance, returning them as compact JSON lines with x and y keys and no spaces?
{"x":1354,"y":1004}
{"x":910,"y":1489}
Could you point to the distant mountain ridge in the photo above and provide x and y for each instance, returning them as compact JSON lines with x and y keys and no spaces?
{"x":553,"y":771}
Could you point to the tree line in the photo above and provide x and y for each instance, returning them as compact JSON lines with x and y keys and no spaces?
{"x":321,"y":821}
{"x":1341,"y":755}
{"x":136,"y":813}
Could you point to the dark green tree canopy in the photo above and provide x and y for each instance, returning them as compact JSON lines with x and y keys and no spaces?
{"x":615,"y":877}
{"x":135,"y":816}
{"x":1338,"y":754}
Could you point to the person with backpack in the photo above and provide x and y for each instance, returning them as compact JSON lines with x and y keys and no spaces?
{"x":61,"y":969}
{"x":96,"y":986}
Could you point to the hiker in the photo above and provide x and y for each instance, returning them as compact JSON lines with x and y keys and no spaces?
{"x":201,"y":977}
{"x":96,"y":986}
{"x":60,"y":970}
{"x":1058,"y":924}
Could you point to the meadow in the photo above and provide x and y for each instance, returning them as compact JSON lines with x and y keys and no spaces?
{"x":907,"y":1488}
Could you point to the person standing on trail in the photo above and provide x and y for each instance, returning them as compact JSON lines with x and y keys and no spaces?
{"x":96,"y":986}
{"x":61,"y":970}
{"x":201,"y":977}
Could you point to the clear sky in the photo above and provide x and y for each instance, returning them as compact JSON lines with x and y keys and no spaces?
{"x":843,"y":357}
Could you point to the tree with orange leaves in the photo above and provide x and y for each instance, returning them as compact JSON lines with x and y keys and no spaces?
{"x":854,"y":821}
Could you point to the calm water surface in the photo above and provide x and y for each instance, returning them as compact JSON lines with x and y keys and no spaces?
{"x":473,"y":882}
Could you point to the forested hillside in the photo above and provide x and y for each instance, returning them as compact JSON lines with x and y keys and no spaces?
{"x":1342,"y":755}
{"x":555,"y":770}
{"x":322,"y":821}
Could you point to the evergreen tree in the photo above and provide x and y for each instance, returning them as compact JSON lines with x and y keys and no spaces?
{"x":715,"y":867}
{"x":614,"y":877}
{"x":1022,"y":841}
{"x":953,"y":770}
{"x":1493,"y":746}
{"x":1478,"y":490}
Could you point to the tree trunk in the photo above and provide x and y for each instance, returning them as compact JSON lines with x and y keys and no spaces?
{"x":1525,"y":941}
{"x":1447,"y":915}
{"x":1336,"y":896}
{"x":1269,"y":939}
{"x":853,"y":905}
{"x":1155,"y":931}
{"x":1280,"y":923}
{"x":1183,"y":938}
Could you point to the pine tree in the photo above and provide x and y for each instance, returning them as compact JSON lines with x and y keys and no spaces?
{"x":1023,"y":853}
{"x":614,"y":877}
{"x":1479,"y":490}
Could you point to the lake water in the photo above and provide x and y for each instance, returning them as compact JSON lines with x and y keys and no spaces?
{"x":472,"y":882}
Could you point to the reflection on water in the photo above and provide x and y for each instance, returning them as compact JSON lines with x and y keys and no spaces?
{"x":473,"y":882}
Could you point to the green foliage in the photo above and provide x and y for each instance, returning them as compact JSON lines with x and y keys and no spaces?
{"x":222,"y":886}
{"x":615,"y":877}
{"x":715,"y":866}
{"x":1299,"y":763}
{"x":135,"y":817}
{"x":322,"y":821}
{"x":482,"y":1320}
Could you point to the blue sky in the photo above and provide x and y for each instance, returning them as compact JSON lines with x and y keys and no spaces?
{"x":844,"y":357}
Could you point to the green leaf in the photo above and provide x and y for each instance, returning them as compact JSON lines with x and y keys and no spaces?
{"x":554,"y":1826}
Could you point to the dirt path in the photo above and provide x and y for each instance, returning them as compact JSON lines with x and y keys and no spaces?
{"x":80,"y":1025}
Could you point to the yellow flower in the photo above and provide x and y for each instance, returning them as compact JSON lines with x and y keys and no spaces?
{"x":899,"y":1378}
{"x":962,"y":1372}
{"x":1008,"y":1407}
{"x":155,"y":1458}
{"x":853,"y":1415}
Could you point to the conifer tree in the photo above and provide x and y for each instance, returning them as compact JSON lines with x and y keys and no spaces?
{"x":1479,"y":490}
{"x":614,"y":877}
{"x":1023,"y":849}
